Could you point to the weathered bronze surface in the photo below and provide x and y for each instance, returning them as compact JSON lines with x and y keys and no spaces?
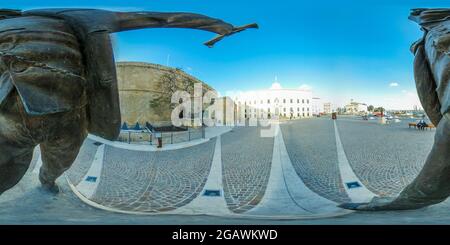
{"x":58,"y":81}
{"x":432,"y":75}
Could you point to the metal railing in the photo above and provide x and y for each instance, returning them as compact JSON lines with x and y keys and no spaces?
{"x":147,"y":136}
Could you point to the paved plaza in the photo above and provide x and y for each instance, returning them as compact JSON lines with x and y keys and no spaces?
{"x":384,"y":158}
{"x":311,"y":146}
{"x":83,"y":162}
{"x":246,"y":159}
{"x":153,"y":181}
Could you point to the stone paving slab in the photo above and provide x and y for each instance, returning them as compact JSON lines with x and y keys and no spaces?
{"x":311,"y":145}
{"x":385,"y":157}
{"x":246,"y":159}
{"x":35,"y":207}
{"x":83,"y":162}
{"x":153,"y":181}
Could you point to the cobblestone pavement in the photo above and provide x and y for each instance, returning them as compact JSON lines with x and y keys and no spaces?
{"x":311,"y":145}
{"x":83,"y":162}
{"x":246,"y":159}
{"x":153,"y":181}
{"x":385,"y":157}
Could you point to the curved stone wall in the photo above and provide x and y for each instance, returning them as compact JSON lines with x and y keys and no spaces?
{"x":139,"y":84}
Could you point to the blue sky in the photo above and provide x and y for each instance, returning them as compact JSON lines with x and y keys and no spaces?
{"x":342,"y":49}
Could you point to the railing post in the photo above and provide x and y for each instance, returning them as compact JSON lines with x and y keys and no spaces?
{"x":129,"y":137}
{"x":189,"y":134}
{"x":171,"y":138}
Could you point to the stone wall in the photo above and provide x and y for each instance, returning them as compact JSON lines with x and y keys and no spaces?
{"x":139,"y":84}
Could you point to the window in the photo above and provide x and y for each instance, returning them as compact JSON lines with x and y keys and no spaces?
{"x":303,"y":101}
{"x":268,"y":101}
{"x":298,"y":101}
{"x":268,"y":110}
{"x":284,"y":101}
{"x":292,"y":109}
{"x":284,"y":114}
{"x":292,"y":101}
{"x":307,"y":101}
{"x":284,"y":109}
{"x":298,"y":108}
{"x":254,"y":102}
{"x":308,"y":108}
{"x":303,"y":114}
{"x":303,"y":109}
{"x":298,"y":114}
{"x":308,"y":114}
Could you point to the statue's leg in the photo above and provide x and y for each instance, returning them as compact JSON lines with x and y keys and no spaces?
{"x":14,"y":163}
{"x":61,"y":148}
{"x":16,"y":145}
{"x":431,"y":186}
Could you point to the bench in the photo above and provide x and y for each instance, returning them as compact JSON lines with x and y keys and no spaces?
{"x":430,"y":125}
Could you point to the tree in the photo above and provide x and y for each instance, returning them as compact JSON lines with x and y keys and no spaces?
{"x":161,"y":102}
{"x":379,"y":109}
{"x":169,"y":83}
{"x":370,"y":108}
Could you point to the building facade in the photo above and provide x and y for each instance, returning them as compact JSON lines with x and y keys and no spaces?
{"x":317,"y":106}
{"x":356,"y":108}
{"x":275,"y":102}
{"x":327,"y":108}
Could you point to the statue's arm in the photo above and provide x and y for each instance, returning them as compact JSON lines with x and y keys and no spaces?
{"x":137,"y":20}
{"x":9,"y":13}
{"x":95,"y":20}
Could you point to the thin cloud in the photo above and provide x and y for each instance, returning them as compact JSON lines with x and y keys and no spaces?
{"x":393,"y":85}
{"x":305,"y":87}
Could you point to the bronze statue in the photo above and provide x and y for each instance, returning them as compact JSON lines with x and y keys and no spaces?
{"x":432,"y":75}
{"x":58,"y":82}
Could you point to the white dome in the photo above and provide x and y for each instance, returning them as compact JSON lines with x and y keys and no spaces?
{"x":275,"y":85}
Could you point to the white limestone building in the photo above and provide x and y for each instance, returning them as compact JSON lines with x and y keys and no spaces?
{"x":355,"y":108}
{"x":317,"y":106}
{"x":275,"y":102}
{"x":327,"y":108}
